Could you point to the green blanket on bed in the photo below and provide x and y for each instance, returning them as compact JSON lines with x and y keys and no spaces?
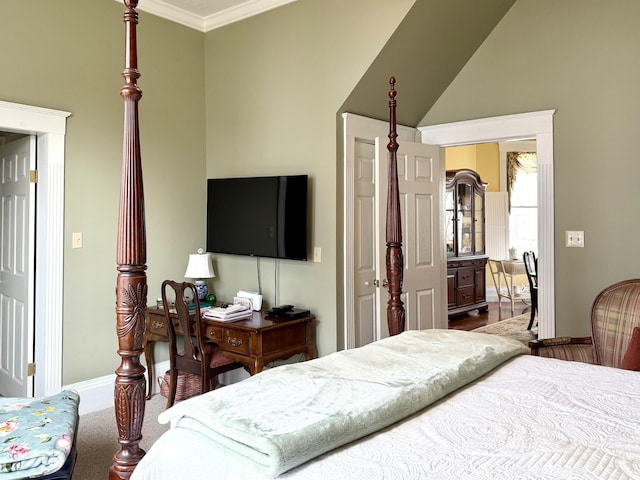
{"x":287,"y":415}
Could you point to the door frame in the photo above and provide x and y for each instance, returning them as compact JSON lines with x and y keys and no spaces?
{"x":522,"y":126}
{"x":49,"y":127}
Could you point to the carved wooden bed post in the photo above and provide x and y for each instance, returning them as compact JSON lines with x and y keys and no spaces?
{"x":395,"y":260}
{"x":131,"y":256}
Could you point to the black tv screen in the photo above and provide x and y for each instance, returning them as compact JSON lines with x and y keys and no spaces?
{"x":258,"y":216}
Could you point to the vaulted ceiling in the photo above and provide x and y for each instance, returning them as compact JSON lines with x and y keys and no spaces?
{"x":425,"y":53}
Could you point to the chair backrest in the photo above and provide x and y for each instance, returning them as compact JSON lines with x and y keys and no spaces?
{"x":497,"y":272}
{"x":615,"y":312}
{"x":191,"y":360}
{"x":531,"y":267}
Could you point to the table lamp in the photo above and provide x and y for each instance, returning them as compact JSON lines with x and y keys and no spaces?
{"x":199,"y":268}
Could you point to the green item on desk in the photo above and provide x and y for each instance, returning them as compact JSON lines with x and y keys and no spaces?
{"x":192,"y":306}
{"x":211,"y":299}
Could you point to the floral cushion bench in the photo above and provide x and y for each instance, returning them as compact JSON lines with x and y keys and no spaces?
{"x":38,"y":436}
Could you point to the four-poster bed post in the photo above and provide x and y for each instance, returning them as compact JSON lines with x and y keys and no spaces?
{"x":394,"y":260}
{"x":131,"y":285}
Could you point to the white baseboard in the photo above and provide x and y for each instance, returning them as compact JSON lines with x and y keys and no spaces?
{"x":97,"y":394}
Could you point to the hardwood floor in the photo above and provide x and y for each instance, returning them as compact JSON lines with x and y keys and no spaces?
{"x":475,"y":319}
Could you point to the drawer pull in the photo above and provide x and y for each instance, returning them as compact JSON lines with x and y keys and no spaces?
{"x":156,"y":324}
{"x":212,"y":333}
{"x":234,"y":342}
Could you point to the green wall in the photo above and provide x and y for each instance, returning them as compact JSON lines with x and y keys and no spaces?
{"x":580,"y":58}
{"x":69,"y":55}
{"x":275,"y":83}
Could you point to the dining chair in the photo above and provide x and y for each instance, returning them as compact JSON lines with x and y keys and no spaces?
{"x":531,"y":267}
{"x":503,"y":273}
{"x":615,"y":331}
{"x":198,"y":356}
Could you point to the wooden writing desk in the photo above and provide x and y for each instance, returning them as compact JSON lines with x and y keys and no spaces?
{"x":253,"y":342}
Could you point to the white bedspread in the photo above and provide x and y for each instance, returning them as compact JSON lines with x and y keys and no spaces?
{"x":281,"y":418}
{"x":531,"y":418}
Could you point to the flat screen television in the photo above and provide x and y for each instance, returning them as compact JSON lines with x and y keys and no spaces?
{"x":258,"y":216}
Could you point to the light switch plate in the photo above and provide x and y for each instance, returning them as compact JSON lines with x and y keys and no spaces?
{"x":76,"y":240}
{"x":574,"y":238}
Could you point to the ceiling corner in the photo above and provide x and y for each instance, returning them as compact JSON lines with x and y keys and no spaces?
{"x":206,"y":15}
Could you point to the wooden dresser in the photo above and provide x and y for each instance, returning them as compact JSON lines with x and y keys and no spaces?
{"x":465,"y":242}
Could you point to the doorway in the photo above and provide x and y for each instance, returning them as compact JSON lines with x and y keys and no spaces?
{"x":511,"y":219}
{"x":533,"y":125}
{"x":364,"y":191}
{"x":49,"y":128}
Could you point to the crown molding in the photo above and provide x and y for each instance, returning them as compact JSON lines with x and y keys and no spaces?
{"x":219,"y":19}
{"x":240,"y":12}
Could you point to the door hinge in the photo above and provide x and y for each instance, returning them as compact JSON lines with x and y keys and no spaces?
{"x":31,"y":370}
{"x":33,"y":176}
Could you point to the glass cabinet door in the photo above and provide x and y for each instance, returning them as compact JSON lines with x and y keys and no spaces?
{"x":465,"y":218}
{"x":479,"y":223}
{"x":449,"y":218}
{"x":464,"y":214}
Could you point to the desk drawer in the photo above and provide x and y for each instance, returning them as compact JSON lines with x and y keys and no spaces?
{"x":236,"y":341}
{"x":214,"y":333}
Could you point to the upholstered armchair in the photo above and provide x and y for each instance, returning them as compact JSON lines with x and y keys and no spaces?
{"x":614,"y":315}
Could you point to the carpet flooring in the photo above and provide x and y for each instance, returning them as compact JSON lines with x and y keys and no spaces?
{"x":515,"y":327}
{"x":98,"y":439}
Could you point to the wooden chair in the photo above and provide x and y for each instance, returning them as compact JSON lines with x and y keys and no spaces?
{"x":531,"y":267}
{"x":198,"y":357}
{"x":503,"y":275}
{"x":615,"y":313}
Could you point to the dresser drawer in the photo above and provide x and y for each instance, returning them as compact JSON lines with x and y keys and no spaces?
{"x":236,"y":341}
{"x":464,"y":296}
{"x":466,"y":277}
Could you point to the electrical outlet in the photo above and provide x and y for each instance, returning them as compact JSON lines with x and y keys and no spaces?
{"x":317,"y":254}
{"x":76,"y":240}
{"x":574,"y":239}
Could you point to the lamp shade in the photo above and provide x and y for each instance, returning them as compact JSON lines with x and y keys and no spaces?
{"x":200,"y":265}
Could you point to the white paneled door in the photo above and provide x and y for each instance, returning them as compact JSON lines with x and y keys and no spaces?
{"x":419,"y":181}
{"x":365,"y":264}
{"x":17,"y":160}
{"x":421,"y":185}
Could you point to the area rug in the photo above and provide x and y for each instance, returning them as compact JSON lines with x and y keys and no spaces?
{"x":515,"y":327}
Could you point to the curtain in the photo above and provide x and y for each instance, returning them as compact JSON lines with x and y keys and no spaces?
{"x":526,"y":162}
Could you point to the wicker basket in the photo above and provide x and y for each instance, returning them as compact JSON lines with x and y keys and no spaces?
{"x":189,"y":385}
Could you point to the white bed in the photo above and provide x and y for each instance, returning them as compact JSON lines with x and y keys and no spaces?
{"x":530,"y":417}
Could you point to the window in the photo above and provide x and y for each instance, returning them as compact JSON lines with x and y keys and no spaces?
{"x":522,"y":185}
